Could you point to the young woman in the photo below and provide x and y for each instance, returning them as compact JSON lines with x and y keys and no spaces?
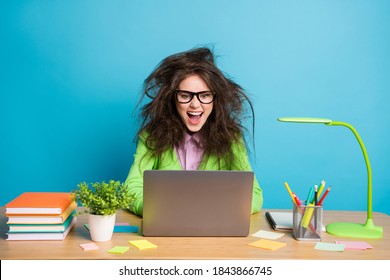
{"x":193,"y":122}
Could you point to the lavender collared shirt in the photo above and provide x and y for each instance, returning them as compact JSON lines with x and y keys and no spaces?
{"x":190,"y":152}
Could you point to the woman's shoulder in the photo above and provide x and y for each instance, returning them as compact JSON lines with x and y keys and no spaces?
{"x":239,"y":140}
{"x":143,"y":135}
{"x":239,"y":145}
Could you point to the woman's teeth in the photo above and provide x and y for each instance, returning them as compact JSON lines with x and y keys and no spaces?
{"x":194,"y":117}
{"x":194,"y":113}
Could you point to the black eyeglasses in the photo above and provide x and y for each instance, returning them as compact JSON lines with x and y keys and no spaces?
{"x":204,"y":97}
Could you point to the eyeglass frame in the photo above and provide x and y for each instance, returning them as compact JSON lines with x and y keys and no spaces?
{"x":194,"y":94}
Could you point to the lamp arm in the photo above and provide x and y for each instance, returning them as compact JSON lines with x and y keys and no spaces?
{"x":369,"y":173}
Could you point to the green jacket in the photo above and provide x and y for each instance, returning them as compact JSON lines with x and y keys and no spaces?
{"x":143,"y":160}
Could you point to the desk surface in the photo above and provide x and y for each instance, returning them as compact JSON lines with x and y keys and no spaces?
{"x":195,"y":247}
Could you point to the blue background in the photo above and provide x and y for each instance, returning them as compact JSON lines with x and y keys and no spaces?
{"x":71,"y":73}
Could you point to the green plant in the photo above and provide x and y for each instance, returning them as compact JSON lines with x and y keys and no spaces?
{"x":102,"y":198}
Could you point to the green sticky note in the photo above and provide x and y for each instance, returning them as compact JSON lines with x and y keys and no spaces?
{"x":329,"y":247}
{"x":118,"y":249}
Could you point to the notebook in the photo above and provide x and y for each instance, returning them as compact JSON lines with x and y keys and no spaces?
{"x":197,"y":203}
{"x":280,"y":220}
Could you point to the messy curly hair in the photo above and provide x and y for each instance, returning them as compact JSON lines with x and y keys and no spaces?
{"x":161,"y":121}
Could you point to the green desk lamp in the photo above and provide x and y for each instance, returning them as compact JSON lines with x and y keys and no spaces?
{"x":367,"y":230}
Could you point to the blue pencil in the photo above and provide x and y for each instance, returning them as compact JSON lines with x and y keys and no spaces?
{"x":310,"y":195}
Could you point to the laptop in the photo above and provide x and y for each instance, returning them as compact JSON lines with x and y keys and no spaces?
{"x":197,"y":203}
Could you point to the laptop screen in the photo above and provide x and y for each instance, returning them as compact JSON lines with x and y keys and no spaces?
{"x":197,"y":203}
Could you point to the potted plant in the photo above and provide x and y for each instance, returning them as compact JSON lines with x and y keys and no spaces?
{"x":101,"y":201}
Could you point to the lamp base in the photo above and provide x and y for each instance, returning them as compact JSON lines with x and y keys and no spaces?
{"x":367,"y":230}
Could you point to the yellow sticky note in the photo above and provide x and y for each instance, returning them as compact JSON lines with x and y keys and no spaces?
{"x":267,"y":244}
{"x":142,"y":244}
{"x":118,"y":249}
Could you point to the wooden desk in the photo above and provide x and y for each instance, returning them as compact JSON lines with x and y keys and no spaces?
{"x":173,"y":248}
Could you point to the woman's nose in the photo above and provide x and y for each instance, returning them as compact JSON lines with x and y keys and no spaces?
{"x":194,"y":102}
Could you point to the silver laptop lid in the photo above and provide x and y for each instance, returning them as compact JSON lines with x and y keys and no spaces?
{"x":197,"y":203}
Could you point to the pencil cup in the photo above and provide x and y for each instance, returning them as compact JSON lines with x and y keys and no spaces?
{"x":307,"y":222}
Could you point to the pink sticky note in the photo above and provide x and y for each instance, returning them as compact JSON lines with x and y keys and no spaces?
{"x":355,"y":245}
{"x":121,"y":224}
{"x":89,"y":246}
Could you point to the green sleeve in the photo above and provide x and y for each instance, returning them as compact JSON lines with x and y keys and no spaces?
{"x":135,"y":181}
{"x":242,"y":163}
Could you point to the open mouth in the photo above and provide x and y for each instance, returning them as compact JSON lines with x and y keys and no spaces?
{"x":194,"y":117}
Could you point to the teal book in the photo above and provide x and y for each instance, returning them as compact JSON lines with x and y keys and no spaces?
{"x":20,"y":228}
{"x":42,"y":235}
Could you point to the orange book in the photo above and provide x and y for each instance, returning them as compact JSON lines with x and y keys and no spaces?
{"x":42,"y":218}
{"x":39,"y":203}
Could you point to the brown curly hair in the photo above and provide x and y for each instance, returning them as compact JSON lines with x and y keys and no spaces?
{"x":163,"y":125}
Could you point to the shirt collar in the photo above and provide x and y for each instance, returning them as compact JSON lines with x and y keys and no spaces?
{"x":195,"y":137}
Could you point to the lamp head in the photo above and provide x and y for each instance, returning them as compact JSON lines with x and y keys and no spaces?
{"x":305,"y":120}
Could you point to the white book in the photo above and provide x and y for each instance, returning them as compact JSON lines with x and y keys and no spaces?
{"x":42,"y":235}
{"x":42,"y":219}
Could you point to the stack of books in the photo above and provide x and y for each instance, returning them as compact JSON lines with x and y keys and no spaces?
{"x":40,"y":216}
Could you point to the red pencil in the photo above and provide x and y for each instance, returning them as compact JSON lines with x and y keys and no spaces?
{"x":323,"y":197}
{"x":296,"y":199}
